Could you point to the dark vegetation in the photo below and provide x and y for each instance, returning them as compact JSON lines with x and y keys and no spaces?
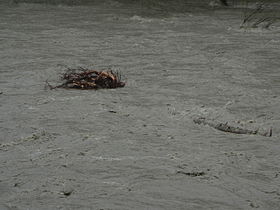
{"x":224,"y":2}
{"x":89,"y":79}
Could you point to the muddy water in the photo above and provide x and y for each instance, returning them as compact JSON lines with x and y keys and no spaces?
{"x":137,"y":147}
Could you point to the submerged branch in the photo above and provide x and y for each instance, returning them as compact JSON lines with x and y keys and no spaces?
{"x":231,"y":129}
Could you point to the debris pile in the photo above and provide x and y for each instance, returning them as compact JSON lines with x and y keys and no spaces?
{"x":89,"y":79}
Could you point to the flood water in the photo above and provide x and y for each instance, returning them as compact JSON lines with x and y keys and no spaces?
{"x":137,"y":147}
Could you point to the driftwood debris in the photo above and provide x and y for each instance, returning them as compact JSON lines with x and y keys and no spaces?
{"x":231,"y":129}
{"x":259,"y":16}
{"x":89,"y":79}
{"x":192,"y":174}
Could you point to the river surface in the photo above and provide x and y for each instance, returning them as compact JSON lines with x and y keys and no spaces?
{"x":138,"y":147}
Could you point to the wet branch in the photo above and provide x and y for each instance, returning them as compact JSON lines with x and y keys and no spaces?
{"x":231,"y":129}
{"x":89,"y":79}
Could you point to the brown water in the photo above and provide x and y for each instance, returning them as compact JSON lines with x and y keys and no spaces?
{"x":177,"y":66}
